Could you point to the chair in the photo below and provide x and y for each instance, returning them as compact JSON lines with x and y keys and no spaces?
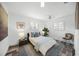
{"x":68,"y":36}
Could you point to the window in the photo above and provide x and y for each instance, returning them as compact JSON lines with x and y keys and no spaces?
{"x":34,"y":25}
{"x":59,"y":26}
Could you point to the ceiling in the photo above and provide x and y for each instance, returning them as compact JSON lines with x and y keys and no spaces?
{"x":33,"y":9}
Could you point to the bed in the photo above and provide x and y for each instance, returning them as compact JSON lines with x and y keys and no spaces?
{"x":42,"y":44}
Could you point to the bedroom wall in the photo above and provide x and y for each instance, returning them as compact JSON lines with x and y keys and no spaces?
{"x":69,"y":26}
{"x":13,"y":33}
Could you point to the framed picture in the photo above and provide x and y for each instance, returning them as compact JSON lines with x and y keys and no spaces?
{"x":3,"y":23}
{"x":20,"y":25}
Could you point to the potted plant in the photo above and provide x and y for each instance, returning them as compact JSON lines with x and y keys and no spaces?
{"x":45,"y":31}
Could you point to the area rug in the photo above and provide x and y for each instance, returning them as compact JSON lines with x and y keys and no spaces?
{"x":22,"y":52}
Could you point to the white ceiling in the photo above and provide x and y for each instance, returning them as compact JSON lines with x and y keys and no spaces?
{"x":33,"y":9}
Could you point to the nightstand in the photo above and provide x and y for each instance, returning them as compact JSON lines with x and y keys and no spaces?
{"x":23,"y":42}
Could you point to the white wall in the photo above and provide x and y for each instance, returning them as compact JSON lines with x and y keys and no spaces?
{"x":13,"y":33}
{"x":69,"y":24}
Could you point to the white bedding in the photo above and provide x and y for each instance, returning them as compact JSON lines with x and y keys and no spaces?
{"x":42,"y":44}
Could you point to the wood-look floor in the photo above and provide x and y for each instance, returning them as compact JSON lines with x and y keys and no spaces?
{"x":25,"y":50}
{"x":28,"y":50}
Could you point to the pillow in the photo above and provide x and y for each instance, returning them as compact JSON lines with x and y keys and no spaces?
{"x":32,"y":34}
{"x":37,"y":34}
